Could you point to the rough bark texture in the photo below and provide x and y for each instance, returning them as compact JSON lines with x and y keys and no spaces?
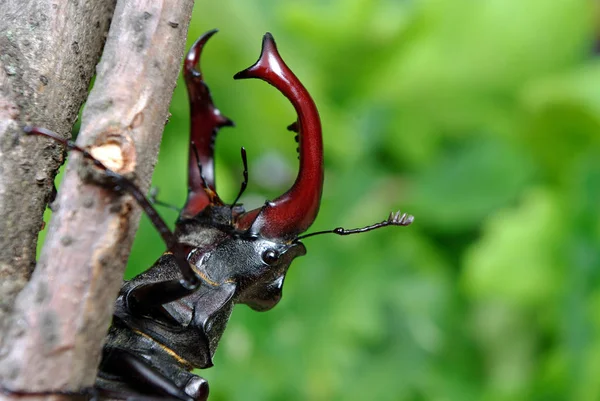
{"x":48,"y":51}
{"x":62,"y":315}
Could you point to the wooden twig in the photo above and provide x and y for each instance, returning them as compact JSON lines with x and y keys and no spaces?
{"x":63,"y":313}
{"x":48,"y":53}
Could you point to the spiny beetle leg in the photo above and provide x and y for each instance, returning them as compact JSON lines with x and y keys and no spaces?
{"x":146,"y":379}
{"x":129,"y":397}
{"x":143,"y":299}
{"x":190,"y":282}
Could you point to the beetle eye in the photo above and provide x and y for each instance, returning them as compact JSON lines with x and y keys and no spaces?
{"x":270,"y":256}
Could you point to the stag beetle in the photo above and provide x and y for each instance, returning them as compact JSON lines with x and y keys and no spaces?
{"x":169,"y":319}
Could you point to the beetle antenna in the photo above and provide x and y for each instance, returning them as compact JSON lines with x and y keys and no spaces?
{"x":190,"y":280}
{"x":245,"y":181}
{"x":153,"y":198}
{"x":394,"y":219}
{"x":204,"y":184}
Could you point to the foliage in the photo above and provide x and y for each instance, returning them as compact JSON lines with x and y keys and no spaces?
{"x":482,"y":119}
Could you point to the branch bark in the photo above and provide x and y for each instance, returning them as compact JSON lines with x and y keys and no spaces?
{"x":48,"y":51}
{"x":62,"y":315}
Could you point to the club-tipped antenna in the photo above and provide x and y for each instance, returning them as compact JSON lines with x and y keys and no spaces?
{"x":245,"y":181}
{"x":394,"y":219}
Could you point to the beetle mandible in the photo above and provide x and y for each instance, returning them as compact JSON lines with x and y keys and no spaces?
{"x":169,"y":319}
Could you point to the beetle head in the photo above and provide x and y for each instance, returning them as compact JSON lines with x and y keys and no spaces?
{"x":257,"y":267}
{"x":257,"y":246}
{"x":262,"y":285}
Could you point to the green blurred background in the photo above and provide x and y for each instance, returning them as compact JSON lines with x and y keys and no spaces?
{"x":481,"y":118}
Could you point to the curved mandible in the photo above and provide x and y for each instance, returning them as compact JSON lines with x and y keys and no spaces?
{"x":206,"y":120}
{"x":294,"y":211}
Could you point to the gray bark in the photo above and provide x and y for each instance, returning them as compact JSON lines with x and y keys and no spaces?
{"x":48,"y":51}
{"x":61,"y":316}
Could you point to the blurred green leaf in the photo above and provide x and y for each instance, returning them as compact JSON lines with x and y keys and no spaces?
{"x":482,"y":120}
{"x":468,"y":182}
{"x":518,"y":258}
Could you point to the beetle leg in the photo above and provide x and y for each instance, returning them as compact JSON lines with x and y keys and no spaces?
{"x":190,"y":281}
{"x":126,"y":396}
{"x":138,"y":374}
{"x":129,"y":397}
{"x":53,"y":193}
{"x":146,"y":297}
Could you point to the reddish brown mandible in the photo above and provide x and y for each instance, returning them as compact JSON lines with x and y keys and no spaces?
{"x":294,"y":211}
{"x":206,"y":120}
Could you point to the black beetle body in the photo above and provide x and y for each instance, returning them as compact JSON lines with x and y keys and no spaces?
{"x":169,"y":319}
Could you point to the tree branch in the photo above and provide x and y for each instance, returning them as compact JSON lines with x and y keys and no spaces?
{"x":62,"y":315}
{"x":48,"y":51}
